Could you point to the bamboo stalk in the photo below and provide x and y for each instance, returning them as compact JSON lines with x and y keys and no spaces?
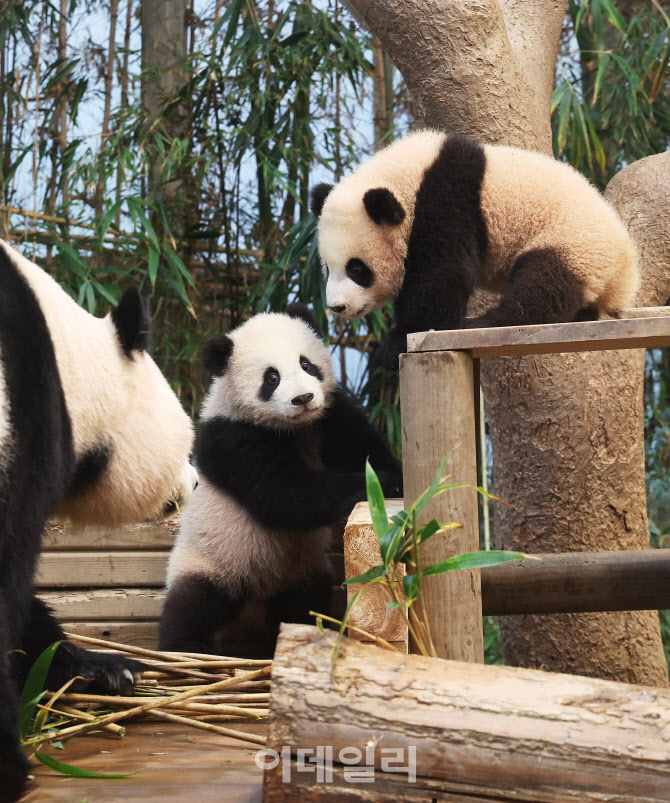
{"x":207,"y":726}
{"x":75,"y":713}
{"x":166,"y":657}
{"x":153,"y":703}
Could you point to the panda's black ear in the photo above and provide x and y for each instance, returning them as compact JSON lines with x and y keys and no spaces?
{"x":302,"y":311}
{"x":216,"y":353}
{"x":383,"y":207}
{"x":318,"y":198}
{"x":132,"y":322}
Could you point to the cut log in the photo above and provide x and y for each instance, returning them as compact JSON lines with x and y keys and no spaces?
{"x":481,"y":733}
{"x":361,"y":552}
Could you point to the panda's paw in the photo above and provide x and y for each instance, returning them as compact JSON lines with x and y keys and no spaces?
{"x":102,"y":673}
{"x":14,"y":768}
{"x":386,"y":358}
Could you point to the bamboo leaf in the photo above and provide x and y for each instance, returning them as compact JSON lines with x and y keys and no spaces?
{"x":472,"y":560}
{"x":33,"y":688}
{"x":371,"y":574}
{"x":380,"y":522}
{"x":77,"y":772}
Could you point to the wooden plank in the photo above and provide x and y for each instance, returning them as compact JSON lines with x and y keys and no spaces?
{"x":145,"y":535}
{"x":579,"y":582}
{"x":507,"y":341}
{"x":361,"y":552}
{"x":176,"y":763}
{"x":106,"y":604}
{"x":437,"y":403}
{"x":138,"y":634}
{"x":102,"y":569}
{"x":480,"y":732}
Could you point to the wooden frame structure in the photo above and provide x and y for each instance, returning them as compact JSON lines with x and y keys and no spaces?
{"x":439,"y":398}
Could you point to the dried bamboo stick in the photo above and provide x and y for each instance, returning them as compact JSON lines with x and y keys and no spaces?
{"x":154,"y":703}
{"x":74,"y":713}
{"x":207,"y":726}
{"x":168,"y":657}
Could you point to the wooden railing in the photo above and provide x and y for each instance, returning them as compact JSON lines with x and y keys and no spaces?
{"x":438,"y":399}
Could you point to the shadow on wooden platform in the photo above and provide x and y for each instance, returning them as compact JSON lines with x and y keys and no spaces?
{"x":177,"y":763}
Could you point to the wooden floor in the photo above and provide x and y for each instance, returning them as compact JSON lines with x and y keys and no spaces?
{"x":177,"y":763}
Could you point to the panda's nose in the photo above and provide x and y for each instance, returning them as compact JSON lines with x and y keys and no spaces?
{"x":338,"y":308}
{"x":304,"y":399}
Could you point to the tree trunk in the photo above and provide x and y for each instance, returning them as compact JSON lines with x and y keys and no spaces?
{"x":566,"y":430}
{"x":481,"y":733}
{"x":163,"y":75}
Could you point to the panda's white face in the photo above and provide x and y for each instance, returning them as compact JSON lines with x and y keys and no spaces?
{"x":279,"y":374}
{"x":363,"y":261}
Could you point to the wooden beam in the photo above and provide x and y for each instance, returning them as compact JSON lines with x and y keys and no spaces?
{"x":438,"y":422}
{"x":60,"y":536}
{"x":650,"y":331}
{"x":105,"y":604}
{"x":77,"y":569}
{"x":481,"y":733}
{"x":579,"y":582}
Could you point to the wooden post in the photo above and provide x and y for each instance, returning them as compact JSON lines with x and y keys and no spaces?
{"x":438,"y":422}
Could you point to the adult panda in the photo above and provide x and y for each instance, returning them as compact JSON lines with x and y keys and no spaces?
{"x":280,"y":456}
{"x":89,"y":430}
{"x":432,"y":216}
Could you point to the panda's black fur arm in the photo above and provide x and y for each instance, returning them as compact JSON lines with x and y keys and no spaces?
{"x":266,"y":473}
{"x":349,"y":439}
{"x":447,"y":241}
{"x":113,"y":674}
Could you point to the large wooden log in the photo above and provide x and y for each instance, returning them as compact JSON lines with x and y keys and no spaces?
{"x":481,"y":733}
{"x":579,"y":582}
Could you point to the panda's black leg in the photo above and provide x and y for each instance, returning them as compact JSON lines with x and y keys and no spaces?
{"x":195,"y":608}
{"x":541,"y":289}
{"x":294,"y":603}
{"x":102,"y":672}
{"x":14,"y":764}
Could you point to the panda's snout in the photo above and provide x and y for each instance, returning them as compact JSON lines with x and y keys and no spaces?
{"x":305,"y":399}
{"x":338,"y":308}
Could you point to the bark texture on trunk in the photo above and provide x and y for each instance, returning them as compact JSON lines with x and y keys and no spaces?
{"x":481,"y":733}
{"x":566,"y":430}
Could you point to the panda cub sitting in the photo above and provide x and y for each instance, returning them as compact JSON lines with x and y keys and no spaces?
{"x":280,"y":455}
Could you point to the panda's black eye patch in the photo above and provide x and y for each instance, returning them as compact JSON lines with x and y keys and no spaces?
{"x":311,"y":369}
{"x":271,"y":380}
{"x":359,"y":272}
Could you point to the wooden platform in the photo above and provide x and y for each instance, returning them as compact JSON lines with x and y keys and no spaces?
{"x":177,"y":763}
{"x":108,"y":582}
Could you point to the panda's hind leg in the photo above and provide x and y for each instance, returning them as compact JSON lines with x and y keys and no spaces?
{"x":541,"y":289}
{"x":195,"y":609}
{"x":14,"y":764}
{"x":295,"y":602}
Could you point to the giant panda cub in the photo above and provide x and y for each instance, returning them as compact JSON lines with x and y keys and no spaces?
{"x":432,"y":216}
{"x":280,"y":456}
{"x":89,"y":430}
